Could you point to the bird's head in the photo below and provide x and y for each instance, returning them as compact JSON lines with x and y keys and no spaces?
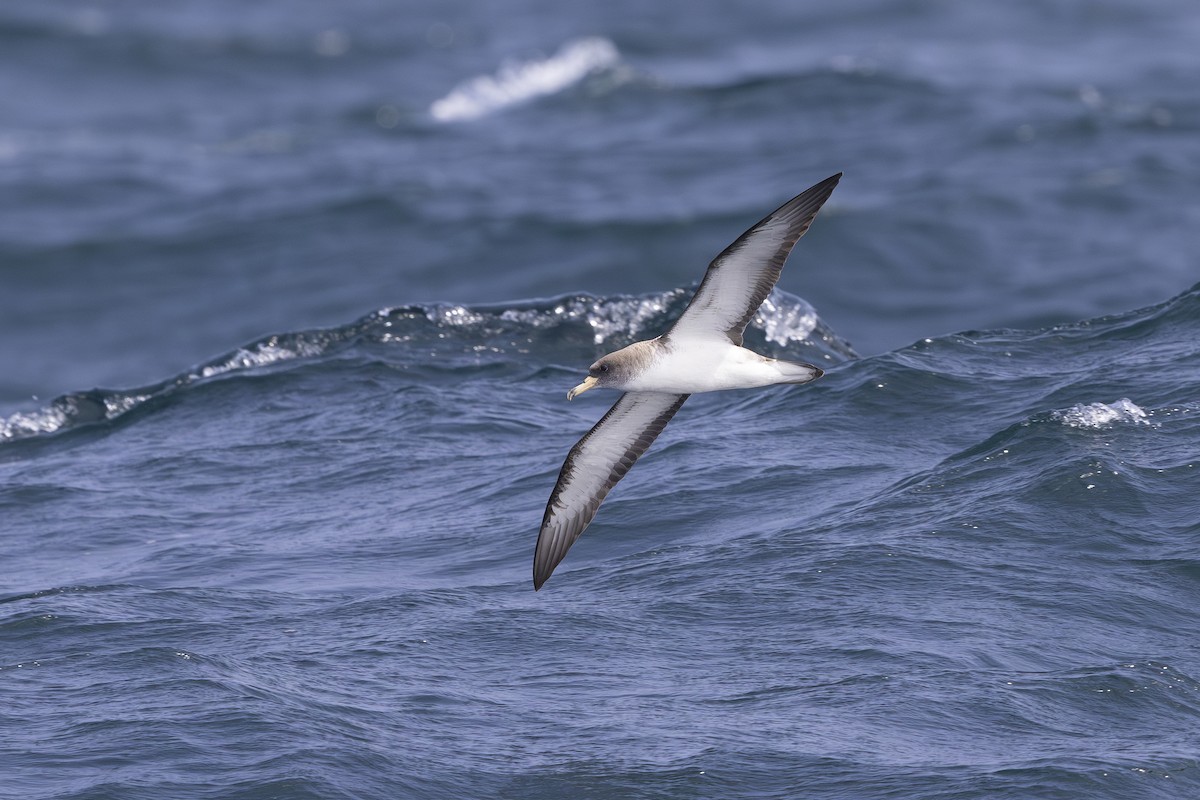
{"x":619,"y":369}
{"x":616,"y":370}
{"x":605,"y":373}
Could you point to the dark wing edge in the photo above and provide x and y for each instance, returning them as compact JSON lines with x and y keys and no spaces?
{"x":563,"y":523}
{"x":788,"y":223}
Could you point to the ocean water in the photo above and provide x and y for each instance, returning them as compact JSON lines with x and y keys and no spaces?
{"x":290,"y":298}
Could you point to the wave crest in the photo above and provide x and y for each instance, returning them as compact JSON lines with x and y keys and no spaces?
{"x":1096,"y":416}
{"x":568,"y":329}
{"x":521,"y":81}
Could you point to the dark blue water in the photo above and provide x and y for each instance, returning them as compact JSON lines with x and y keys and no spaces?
{"x":290,"y":297}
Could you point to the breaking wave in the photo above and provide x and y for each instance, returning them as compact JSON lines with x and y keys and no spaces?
{"x":568,"y":330}
{"x":521,"y":81}
{"x":1102,"y":415}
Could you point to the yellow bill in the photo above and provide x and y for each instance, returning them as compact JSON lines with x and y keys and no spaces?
{"x":588,"y":383}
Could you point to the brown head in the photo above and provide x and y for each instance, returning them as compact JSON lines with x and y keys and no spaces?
{"x":615,"y":370}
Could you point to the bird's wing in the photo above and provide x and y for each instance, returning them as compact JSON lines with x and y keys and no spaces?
{"x":593,"y":467}
{"x":741,"y":277}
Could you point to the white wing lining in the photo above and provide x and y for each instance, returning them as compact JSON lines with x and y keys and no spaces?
{"x":741,"y":277}
{"x":593,"y":467}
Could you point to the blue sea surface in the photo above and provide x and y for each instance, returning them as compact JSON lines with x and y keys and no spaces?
{"x":290,"y":298}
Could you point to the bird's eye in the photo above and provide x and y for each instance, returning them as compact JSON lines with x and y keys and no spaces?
{"x":604,"y":367}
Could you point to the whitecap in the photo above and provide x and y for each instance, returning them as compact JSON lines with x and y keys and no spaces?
{"x":32,"y":423}
{"x":76,"y":408}
{"x":262,"y":354}
{"x":609,"y":318}
{"x":786,"y":322}
{"x":1102,"y":415}
{"x":518,"y":82}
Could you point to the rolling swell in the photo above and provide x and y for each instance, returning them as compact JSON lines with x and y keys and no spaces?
{"x":962,"y":568}
{"x":568,"y":329}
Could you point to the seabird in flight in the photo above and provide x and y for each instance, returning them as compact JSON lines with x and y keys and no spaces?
{"x":702,"y":352}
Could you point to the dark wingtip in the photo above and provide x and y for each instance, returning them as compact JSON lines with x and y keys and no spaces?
{"x":543,"y":562}
{"x":828,"y":185}
{"x":802,"y":208}
{"x":541,"y":570}
{"x":831,"y":182}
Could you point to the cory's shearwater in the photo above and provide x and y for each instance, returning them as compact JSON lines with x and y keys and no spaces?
{"x":702,"y":352}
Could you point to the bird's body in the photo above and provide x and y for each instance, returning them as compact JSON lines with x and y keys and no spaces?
{"x":685,"y":365}
{"x":702,"y":352}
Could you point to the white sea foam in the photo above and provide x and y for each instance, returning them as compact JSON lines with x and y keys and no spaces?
{"x":1102,"y":415}
{"x":624,"y":318}
{"x":786,"y":323}
{"x":518,"y":82}
{"x":262,"y":354}
{"x":455,"y":316}
{"x":608,"y":318}
{"x":67,"y":411}
{"x":22,"y":424}
{"x":88,"y":407}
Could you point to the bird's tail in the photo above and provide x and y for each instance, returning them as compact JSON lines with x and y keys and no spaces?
{"x":796,"y":372}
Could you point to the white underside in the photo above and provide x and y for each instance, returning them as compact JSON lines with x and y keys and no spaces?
{"x":690,"y":366}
